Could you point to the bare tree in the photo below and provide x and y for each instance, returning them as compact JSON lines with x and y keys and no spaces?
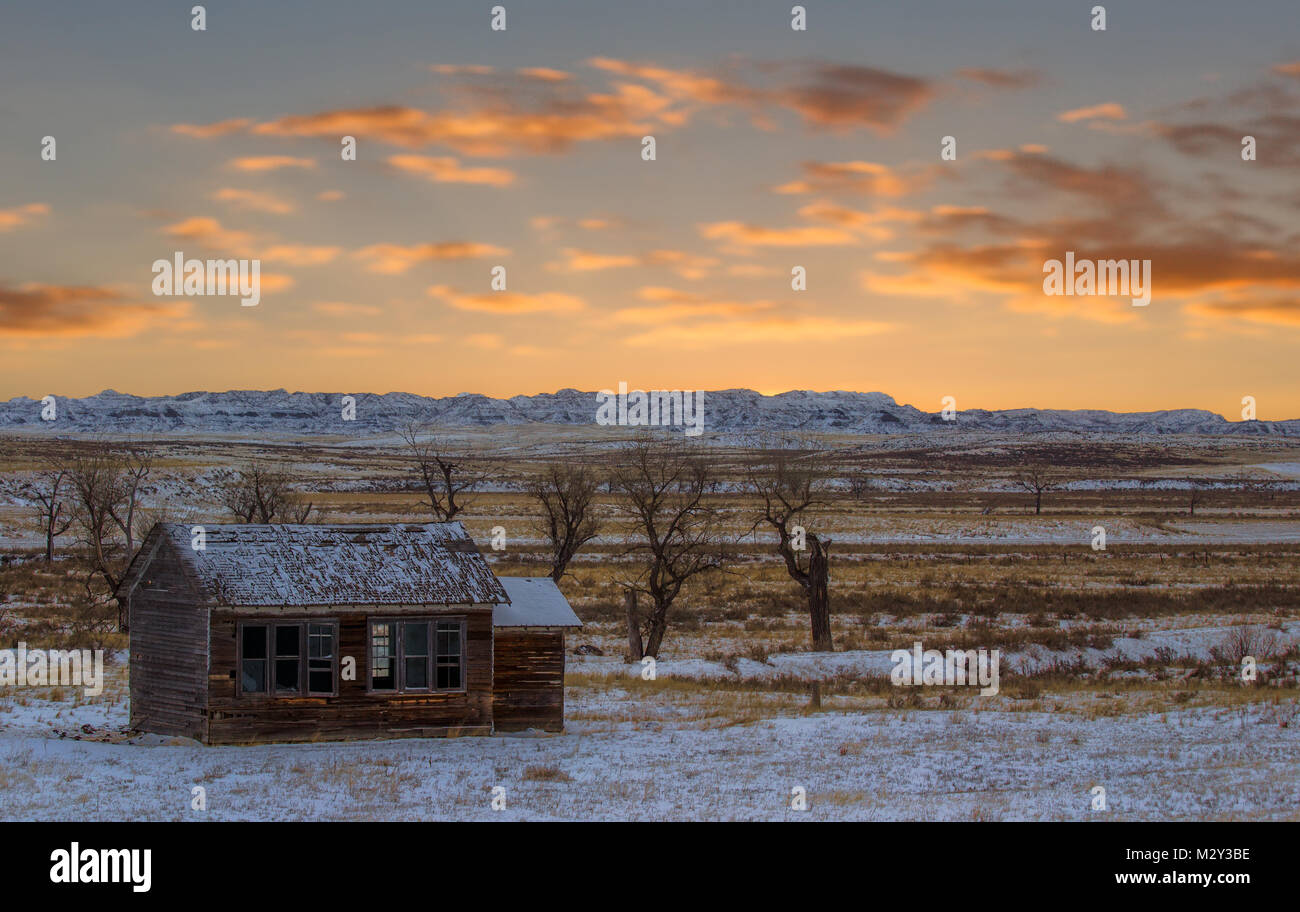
{"x":666,"y":489}
{"x":566,"y":494}
{"x":1037,"y":481}
{"x":106,"y":485}
{"x":444,"y":477}
{"x":259,"y":494}
{"x":54,"y":514}
{"x":789,"y":487}
{"x":1195,"y":496}
{"x":136,"y":462}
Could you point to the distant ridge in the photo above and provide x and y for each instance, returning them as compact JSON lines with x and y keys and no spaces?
{"x":732,"y":411}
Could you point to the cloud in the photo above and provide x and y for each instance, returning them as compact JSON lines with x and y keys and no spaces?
{"x":840,"y":95}
{"x":208,"y":232}
{"x":871,"y":224}
{"x":546,"y":74}
{"x":462,"y":69}
{"x":260,"y":163}
{"x":79,"y":310}
{"x":1288,"y":69}
{"x":1108,"y":111}
{"x":1277,"y":139}
{"x":446,"y":170}
{"x":857,"y":177}
{"x":21,"y":215}
{"x":765,"y":329}
{"x":298,"y":254}
{"x":586,"y":261}
{"x":1002,"y":79}
{"x":253,"y":201}
{"x":330,"y":196}
{"x":1108,"y":186}
{"x":501,"y":126}
{"x":743,"y":235}
{"x":679,"y":84}
{"x":537,"y":110}
{"x":508,"y":302}
{"x":394,"y":259}
{"x":209,"y":131}
{"x":684,"y":264}
{"x":1283,"y":311}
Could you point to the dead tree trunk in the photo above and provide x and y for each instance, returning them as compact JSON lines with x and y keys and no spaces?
{"x":819,"y":599}
{"x":634,"y":647}
{"x":658,"y":629}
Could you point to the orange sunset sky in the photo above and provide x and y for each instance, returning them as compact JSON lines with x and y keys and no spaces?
{"x":774,"y":149}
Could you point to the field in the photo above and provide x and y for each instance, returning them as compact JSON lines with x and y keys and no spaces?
{"x":1119,"y":667}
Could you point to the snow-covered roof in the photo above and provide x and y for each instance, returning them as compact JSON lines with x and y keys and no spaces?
{"x":371,"y":564}
{"x":534,"y":602}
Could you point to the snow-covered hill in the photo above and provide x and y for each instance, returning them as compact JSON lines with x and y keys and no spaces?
{"x":732,"y":411}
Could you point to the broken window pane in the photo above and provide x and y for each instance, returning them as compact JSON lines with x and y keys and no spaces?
{"x":383,"y":664}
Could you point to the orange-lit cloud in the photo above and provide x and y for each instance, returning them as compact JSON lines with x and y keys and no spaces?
{"x":508,"y":302}
{"x":743,"y":235}
{"x":1108,"y":111}
{"x":496,"y":130}
{"x":857,"y":177}
{"x":253,"y":201}
{"x":298,"y":254}
{"x":208,"y":232}
{"x":687,"y":265}
{"x":874,"y":224}
{"x":51,"y":311}
{"x":21,"y":215}
{"x":208,"y":131}
{"x":765,"y":329}
{"x":394,"y":259}
{"x":446,"y":170}
{"x":1002,"y":79}
{"x":544,"y":112}
{"x":260,"y":163}
{"x":546,"y":74}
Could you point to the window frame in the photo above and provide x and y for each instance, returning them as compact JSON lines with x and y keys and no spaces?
{"x":269,"y":690}
{"x":431,"y":659}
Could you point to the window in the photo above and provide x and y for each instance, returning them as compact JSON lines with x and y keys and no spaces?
{"x":320,"y":658}
{"x":253,"y":663}
{"x":288,"y":659}
{"x":417,"y":655}
{"x":449,"y":658}
{"x":383,"y":657}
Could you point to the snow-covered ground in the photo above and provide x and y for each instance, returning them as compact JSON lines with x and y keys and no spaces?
{"x":636,"y":755}
{"x":1184,"y":642}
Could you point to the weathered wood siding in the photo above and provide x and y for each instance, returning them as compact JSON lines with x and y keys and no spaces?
{"x":169,"y":650}
{"x":529,"y":688}
{"x":354,"y":712}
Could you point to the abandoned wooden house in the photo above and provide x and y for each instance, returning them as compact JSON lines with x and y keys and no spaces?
{"x":247,"y":633}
